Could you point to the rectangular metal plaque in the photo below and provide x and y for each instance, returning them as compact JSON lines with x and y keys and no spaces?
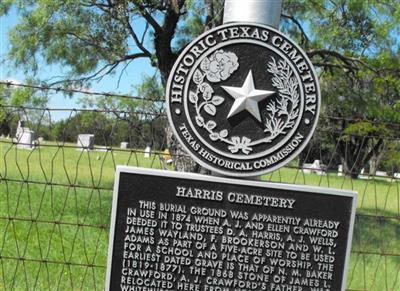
{"x":181,"y":231}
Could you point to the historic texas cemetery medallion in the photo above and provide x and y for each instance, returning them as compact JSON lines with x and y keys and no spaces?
{"x":243,"y":99}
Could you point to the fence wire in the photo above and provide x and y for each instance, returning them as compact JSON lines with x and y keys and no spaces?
{"x":56,"y":191}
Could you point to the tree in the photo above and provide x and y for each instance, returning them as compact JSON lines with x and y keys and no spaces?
{"x":142,"y":118}
{"x":355,"y":45}
{"x":391,"y":158}
{"x":12,"y":101}
{"x":349,"y":38}
{"x":92,"y":38}
{"x":360,"y":114}
{"x":107,"y":131}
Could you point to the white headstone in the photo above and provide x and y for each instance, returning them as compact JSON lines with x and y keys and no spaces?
{"x":316,"y":167}
{"x":363,"y":175}
{"x":124,"y":145}
{"x":24,"y":136}
{"x":147,"y":152}
{"x":85,"y":141}
{"x":25,"y":139}
{"x":381,"y":174}
{"x":340,"y":170}
{"x":101,"y":149}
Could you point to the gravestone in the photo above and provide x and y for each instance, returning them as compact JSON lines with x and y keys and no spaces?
{"x":102,"y":149}
{"x":381,"y":174}
{"x":85,"y":141}
{"x":181,"y":231}
{"x":340,"y":170}
{"x":147,"y":152}
{"x":363,"y":175}
{"x":318,"y":168}
{"x":124,"y":145}
{"x":24,"y":137}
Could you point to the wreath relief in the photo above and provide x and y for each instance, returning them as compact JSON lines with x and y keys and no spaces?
{"x":282,"y":113}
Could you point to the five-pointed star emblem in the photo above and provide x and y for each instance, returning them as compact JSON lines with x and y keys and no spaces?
{"x":247,"y":97}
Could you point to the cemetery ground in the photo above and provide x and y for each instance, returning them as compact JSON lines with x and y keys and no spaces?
{"x":54,"y":215}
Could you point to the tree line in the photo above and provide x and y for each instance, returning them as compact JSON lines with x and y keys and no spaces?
{"x":355,"y":144}
{"x":353,"y":44}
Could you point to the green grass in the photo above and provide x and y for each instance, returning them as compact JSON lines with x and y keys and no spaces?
{"x":377,"y":196}
{"x":55,"y":223}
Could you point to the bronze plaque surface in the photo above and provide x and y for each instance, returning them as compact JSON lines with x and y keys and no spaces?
{"x":180,"y":231}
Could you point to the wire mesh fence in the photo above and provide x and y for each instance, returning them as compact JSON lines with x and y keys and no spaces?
{"x":56,"y":188}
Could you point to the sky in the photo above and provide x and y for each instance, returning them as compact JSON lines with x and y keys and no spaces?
{"x":130,"y":78}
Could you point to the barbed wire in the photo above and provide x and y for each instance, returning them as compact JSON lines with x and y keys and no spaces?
{"x":114,"y":95}
{"x":75,"y":90}
{"x":44,"y":261}
{"x":94,"y":110}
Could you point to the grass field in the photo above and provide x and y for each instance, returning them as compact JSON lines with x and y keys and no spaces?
{"x":54,"y":215}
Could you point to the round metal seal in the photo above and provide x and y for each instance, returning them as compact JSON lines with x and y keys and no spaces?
{"x":243,"y":99}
